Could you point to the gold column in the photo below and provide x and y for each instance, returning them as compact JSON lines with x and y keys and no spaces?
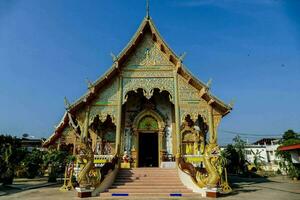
{"x":212,"y":134}
{"x":134,"y":148}
{"x":74,"y":146}
{"x":58,"y":145}
{"x":177,"y":118}
{"x":216,"y":119}
{"x":160,"y":147}
{"x":118,"y":127}
{"x":86,"y":124}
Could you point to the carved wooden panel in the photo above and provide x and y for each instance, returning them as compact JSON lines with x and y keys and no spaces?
{"x":68,"y":135}
{"x":148,"y":85}
{"x":148,"y":55}
{"x":147,"y":73}
{"x":103,"y":111}
{"x":193,"y":110}
{"x":106,"y":102}
{"x":187,"y":91}
{"x":217,"y":120}
{"x":190,"y":102}
{"x":108,"y":94}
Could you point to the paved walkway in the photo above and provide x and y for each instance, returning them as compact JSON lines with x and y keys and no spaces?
{"x":277,"y":188}
{"x":22,"y":184}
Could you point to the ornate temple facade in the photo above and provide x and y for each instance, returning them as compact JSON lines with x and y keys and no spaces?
{"x":147,"y":110}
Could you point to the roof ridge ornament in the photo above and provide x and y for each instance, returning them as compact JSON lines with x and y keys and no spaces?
{"x":147,"y":9}
{"x":231,"y":103}
{"x":67,"y":103}
{"x":209,"y":82}
{"x":182,"y":56}
{"x":114,"y":57}
{"x":89,"y":83}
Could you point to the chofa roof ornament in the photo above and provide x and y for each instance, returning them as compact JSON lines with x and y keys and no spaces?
{"x":147,"y":9}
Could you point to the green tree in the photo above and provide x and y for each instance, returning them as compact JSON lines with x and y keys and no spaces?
{"x":55,"y":160}
{"x":239,"y":146}
{"x":32,"y":163}
{"x":11,"y":155}
{"x":232,"y":158}
{"x":223,"y":161}
{"x":257,"y":159}
{"x":289,"y":137}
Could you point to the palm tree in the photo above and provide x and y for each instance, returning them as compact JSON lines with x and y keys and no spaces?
{"x":257,"y":159}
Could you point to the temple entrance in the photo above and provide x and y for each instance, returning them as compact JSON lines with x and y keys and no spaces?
{"x":148,"y":150}
{"x":148,"y":132}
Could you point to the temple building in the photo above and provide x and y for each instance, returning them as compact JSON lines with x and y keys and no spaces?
{"x":146,"y":115}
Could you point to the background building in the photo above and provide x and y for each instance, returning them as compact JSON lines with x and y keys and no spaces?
{"x":295,"y":152}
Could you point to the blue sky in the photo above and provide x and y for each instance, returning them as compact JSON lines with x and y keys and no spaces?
{"x":251,"y":50}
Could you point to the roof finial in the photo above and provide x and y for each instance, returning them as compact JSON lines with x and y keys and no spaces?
{"x":89,"y":83}
{"x":67,"y":103}
{"x":231,"y":103}
{"x":208,"y":84}
{"x":147,"y":9}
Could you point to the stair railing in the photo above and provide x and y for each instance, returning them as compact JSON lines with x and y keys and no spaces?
{"x":108,"y":166}
{"x":187,"y":168}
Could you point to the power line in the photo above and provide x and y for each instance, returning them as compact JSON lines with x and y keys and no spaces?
{"x":249,"y":134}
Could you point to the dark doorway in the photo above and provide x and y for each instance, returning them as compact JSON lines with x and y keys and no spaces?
{"x":148,"y":150}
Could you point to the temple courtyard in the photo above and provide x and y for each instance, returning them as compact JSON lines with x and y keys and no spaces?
{"x":146,"y":126}
{"x":244,"y":188}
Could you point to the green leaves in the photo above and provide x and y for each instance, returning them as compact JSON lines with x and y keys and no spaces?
{"x":289,"y":138}
{"x":56,"y":161}
{"x":257,"y":159}
{"x":11,"y":155}
{"x":33,"y":163}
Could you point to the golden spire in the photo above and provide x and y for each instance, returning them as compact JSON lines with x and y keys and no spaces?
{"x":147,"y":9}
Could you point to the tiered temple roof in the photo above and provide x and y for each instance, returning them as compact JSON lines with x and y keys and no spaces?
{"x":147,"y":25}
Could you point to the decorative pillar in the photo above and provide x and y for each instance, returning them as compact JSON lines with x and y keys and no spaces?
{"x":58,"y":144}
{"x":212,"y":135}
{"x":119,"y":121}
{"x":86,"y":124}
{"x":217,"y":119}
{"x":177,"y":117}
{"x":160,"y":147}
{"x":74,"y":146}
{"x":134,"y":147}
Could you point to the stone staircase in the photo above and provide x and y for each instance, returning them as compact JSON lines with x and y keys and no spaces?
{"x":148,"y":182}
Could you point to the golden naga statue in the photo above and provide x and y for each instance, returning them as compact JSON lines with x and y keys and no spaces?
{"x":214,"y":175}
{"x":86,"y":157}
{"x":210,"y":160}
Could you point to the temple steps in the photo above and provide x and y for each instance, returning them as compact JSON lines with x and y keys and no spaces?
{"x":147,"y":187}
{"x":141,"y":179}
{"x":149,"y":195}
{"x":149,"y":190}
{"x":148,"y":182}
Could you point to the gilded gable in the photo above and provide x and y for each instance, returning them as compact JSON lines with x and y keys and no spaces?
{"x":186,"y":91}
{"x":108,"y":94}
{"x":147,"y":55}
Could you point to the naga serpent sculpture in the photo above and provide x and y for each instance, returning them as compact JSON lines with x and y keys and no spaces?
{"x":210,"y":159}
{"x":88,"y":155}
{"x":210,"y":176}
{"x":84,"y":178}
